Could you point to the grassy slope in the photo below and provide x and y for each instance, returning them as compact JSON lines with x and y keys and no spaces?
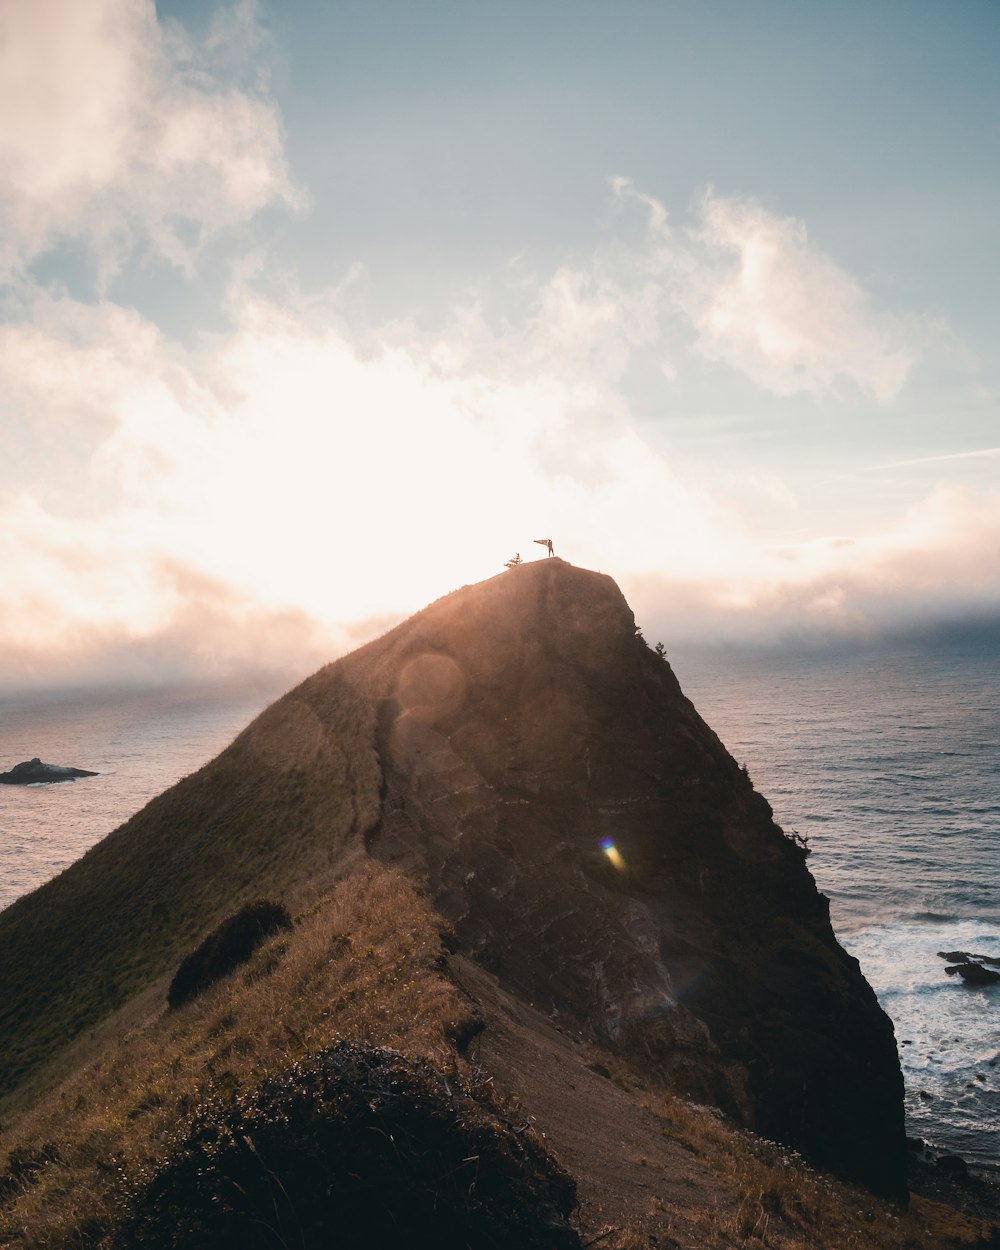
{"x":360,"y":963}
{"x":364,"y":962}
{"x":278,"y":813}
{"x":275,"y":814}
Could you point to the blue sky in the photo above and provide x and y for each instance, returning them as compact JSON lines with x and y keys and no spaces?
{"x":311,"y":312}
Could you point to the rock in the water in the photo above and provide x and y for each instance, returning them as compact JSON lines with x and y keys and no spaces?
{"x":974,"y":974}
{"x":964,"y":957}
{"x":31,"y":772}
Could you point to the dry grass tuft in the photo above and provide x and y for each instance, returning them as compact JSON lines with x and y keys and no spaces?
{"x":770,"y":1199}
{"x":361,"y":964}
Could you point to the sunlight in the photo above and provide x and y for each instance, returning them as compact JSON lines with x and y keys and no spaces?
{"x":613,"y":854}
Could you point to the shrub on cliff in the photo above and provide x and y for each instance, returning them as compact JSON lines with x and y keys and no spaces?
{"x":355,"y":1146}
{"x":226,"y":947}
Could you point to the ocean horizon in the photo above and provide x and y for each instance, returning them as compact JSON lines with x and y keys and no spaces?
{"x":883,"y":759}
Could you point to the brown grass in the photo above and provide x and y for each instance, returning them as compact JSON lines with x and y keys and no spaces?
{"x":363,"y":962}
{"x":360,"y":964}
{"x":278,"y":814}
{"x":768,"y":1198}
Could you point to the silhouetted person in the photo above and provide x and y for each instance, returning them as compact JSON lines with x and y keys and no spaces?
{"x":546,"y":542}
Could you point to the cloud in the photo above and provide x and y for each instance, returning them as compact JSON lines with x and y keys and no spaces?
{"x":184,"y":626}
{"x":266,"y":498}
{"x":311,"y":473}
{"x":933,"y":565}
{"x":119,"y":130}
{"x":763,"y":300}
{"x":767,"y":303}
{"x":982,"y":453}
{"x":290,"y":484}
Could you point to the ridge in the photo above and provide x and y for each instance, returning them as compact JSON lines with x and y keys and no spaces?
{"x":497,"y":747}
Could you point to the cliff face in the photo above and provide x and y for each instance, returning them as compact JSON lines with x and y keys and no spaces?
{"x":593,"y":844}
{"x":517,"y":748}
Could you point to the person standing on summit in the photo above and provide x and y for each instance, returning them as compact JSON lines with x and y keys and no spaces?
{"x":546,"y":542}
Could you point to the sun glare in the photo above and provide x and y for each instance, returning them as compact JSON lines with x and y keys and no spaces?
{"x":613,"y":854}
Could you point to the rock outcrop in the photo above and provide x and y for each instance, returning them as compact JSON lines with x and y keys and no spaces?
{"x":964,"y":957}
{"x":972,"y":968}
{"x":593,"y":844}
{"x":973,"y":973}
{"x":33,"y":772}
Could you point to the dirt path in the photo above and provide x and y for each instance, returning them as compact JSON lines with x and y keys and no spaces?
{"x":629,"y":1173}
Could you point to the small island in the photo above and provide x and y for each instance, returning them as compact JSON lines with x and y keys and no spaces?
{"x":33,"y":772}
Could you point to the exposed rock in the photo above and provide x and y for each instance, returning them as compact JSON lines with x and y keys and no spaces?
{"x":31,"y":772}
{"x":974,"y":974}
{"x":948,"y":1179}
{"x":964,"y":957}
{"x":594,"y":845}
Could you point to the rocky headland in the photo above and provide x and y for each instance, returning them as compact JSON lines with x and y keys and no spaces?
{"x":615,"y":897}
{"x":525,"y":732}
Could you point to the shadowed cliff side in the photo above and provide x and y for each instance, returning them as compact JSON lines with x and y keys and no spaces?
{"x":530,"y":727}
{"x":494,"y":745}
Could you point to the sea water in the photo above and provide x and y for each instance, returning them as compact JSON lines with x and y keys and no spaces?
{"x":139,"y":742}
{"x":887,"y":762}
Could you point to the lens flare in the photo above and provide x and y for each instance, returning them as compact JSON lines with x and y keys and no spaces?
{"x":613,"y":853}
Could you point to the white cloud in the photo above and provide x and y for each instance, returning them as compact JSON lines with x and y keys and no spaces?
{"x":766,"y":302}
{"x":935,"y":563}
{"x":291,"y":484}
{"x":763,"y":300}
{"x":257,"y":500}
{"x":982,"y":453}
{"x":115,"y":129}
{"x":306,"y":473}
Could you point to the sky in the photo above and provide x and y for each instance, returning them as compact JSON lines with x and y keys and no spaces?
{"x":313,"y":312}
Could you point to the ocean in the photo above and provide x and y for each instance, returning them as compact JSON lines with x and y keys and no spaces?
{"x":887,"y":762}
{"x":140,"y":742}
